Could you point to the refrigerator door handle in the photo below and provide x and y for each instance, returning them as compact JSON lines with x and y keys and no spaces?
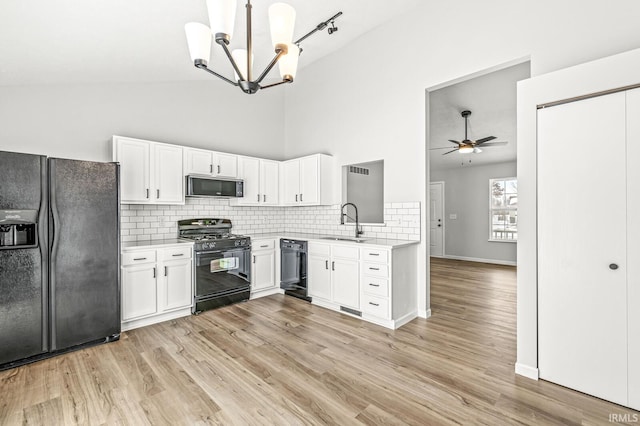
{"x":54,"y":220}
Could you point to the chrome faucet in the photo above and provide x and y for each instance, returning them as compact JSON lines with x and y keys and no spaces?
{"x":359,"y":230}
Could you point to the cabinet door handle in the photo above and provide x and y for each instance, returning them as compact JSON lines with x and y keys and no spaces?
{"x":147,"y":193}
{"x":258,"y":197}
{"x":374,"y":285}
{"x":374,"y":304}
{"x":264,"y":246}
{"x":254,"y":259}
{"x":374,"y":269}
{"x":333,"y":266}
{"x":157,"y":193}
{"x":210,"y":168}
{"x":165,"y":271}
{"x":140,"y":258}
{"x":264,"y":198}
{"x":218,"y":168}
{"x":296,"y":198}
{"x":178,"y":255}
{"x":300,"y":197}
{"x":326,"y":264}
{"x":154,"y":272}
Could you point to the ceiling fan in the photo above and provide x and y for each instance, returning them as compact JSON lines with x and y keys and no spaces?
{"x":468,"y":146}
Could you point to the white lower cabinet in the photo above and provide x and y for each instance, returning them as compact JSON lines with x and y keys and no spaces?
{"x":263,"y":268}
{"x":156,"y":284}
{"x":379,"y":285}
{"x":333,"y":275}
{"x":388,"y":283}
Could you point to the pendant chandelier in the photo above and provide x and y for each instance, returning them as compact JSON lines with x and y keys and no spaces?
{"x":222,"y":15}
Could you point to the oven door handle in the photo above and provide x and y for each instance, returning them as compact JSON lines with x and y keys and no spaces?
{"x":233,"y":250}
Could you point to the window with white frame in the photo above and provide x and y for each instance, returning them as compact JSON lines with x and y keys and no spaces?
{"x":503,"y":214}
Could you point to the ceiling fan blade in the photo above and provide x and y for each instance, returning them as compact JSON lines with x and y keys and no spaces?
{"x":486,"y":145}
{"x":477,"y":150}
{"x":453,"y":150}
{"x":456,"y":142}
{"x":442,"y":147}
{"x":483,"y":140}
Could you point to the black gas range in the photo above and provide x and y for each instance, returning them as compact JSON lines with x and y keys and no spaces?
{"x":222,"y":262}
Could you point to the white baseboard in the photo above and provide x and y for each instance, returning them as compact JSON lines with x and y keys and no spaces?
{"x":153,"y":319}
{"x":527,"y":371}
{"x":476,"y":259}
{"x":424,"y":314}
{"x":404,"y":319}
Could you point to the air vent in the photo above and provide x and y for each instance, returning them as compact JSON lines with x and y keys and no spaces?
{"x":350,"y":311}
{"x":358,"y":170}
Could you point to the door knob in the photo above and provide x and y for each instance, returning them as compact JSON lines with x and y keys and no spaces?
{"x":613,"y":266}
{"x":439,"y":225}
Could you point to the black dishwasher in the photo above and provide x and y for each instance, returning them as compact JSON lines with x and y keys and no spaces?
{"x":293,"y":268}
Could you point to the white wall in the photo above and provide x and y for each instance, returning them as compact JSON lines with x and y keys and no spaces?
{"x":367,"y":101}
{"x":77,"y":121}
{"x":467,"y":196}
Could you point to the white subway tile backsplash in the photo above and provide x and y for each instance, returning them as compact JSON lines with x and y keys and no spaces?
{"x":147,"y":222}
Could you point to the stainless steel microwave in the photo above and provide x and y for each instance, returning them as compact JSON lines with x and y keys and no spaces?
{"x":204,"y":186}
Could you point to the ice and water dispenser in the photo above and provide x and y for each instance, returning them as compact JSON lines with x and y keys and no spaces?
{"x":18,"y":229}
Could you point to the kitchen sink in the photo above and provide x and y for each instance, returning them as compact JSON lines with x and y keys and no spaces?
{"x":352,"y":239}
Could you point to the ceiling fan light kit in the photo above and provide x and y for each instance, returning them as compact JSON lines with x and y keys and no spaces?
{"x":222,"y":14}
{"x":468,"y":146}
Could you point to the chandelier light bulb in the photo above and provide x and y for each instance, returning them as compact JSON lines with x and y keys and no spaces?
{"x":288,"y":64}
{"x":222,"y":17}
{"x":282,"y":19}
{"x":199,"y":41}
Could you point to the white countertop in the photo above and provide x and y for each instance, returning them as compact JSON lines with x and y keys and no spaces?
{"x":321,"y":238}
{"x":154,"y":243}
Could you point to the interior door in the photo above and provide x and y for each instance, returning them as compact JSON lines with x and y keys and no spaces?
{"x":436,"y":223}
{"x":633,"y":244}
{"x":582,"y":296}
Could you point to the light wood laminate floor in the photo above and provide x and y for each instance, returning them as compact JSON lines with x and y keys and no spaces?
{"x":278,"y":360}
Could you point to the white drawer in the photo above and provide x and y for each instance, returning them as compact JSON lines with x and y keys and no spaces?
{"x":175,"y":253}
{"x":263,"y":245}
{"x":136,"y":257}
{"x":372,"y":255}
{"x":375,"y":269}
{"x":319,"y":249}
{"x":375,"y":286}
{"x":376,"y":306}
{"x":344,"y":252}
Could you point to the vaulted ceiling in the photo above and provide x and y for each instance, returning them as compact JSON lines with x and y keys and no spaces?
{"x":76,"y":41}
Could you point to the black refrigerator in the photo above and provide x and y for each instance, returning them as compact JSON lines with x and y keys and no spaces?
{"x":59,"y":256}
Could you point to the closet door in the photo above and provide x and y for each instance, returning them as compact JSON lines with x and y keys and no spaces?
{"x":633,"y":243}
{"x":582,"y":268}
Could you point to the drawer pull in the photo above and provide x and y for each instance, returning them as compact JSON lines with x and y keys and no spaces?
{"x":178,"y":255}
{"x":374,"y":254}
{"x":264,"y":246}
{"x":374,"y":269}
{"x":374,"y":304}
{"x":374,"y":285}
{"x":140,"y":258}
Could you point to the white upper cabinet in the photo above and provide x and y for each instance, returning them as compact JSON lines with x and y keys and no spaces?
{"x":150,"y":172}
{"x":260,"y":182}
{"x":210,"y":163}
{"x":134,"y":158}
{"x":308,"y":181}
{"x":169,"y":187}
{"x":198,"y":162}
